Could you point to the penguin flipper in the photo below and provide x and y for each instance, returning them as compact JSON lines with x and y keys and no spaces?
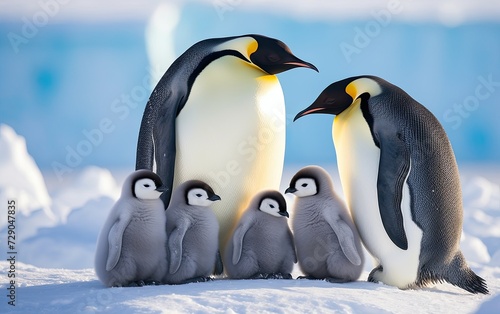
{"x":145,"y":150}
{"x":393,"y":170}
{"x":165,"y":152}
{"x":346,"y":238}
{"x":175,"y":245}
{"x":238,"y":236}
{"x":115,"y":238}
{"x":156,"y":141}
{"x":219,"y":267}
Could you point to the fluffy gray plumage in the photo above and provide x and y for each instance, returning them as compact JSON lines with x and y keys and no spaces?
{"x":131,"y":244}
{"x":193,"y":234}
{"x":327,"y":242}
{"x":262,"y":244}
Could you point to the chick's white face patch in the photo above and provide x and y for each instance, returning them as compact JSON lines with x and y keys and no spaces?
{"x":306,"y":187}
{"x":198,"y":197}
{"x":146,"y":189}
{"x":270,"y":206}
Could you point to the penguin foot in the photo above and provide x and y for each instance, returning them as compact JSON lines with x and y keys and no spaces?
{"x":308,"y":277}
{"x":337,"y":280}
{"x":271,"y":276}
{"x":286,"y":276}
{"x":259,"y":276}
{"x":374,"y":274}
{"x":151,"y":283}
{"x":138,"y":283}
{"x":198,"y":279}
{"x":279,"y":276}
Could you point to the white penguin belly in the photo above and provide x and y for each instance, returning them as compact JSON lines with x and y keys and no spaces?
{"x":358,"y":161}
{"x":231,"y":134}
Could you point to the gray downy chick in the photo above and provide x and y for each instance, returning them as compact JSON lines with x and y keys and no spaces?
{"x":193,"y":234}
{"x":261,"y":246}
{"x":131,"y":244}
{"x":327,"y":242}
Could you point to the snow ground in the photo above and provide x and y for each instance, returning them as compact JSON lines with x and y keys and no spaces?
{"x":47,"y":290}
{"x":55,"y":242}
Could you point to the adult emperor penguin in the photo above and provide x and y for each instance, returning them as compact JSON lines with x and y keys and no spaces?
{"x":401,"y":183}
{"x":218,"y":115}
{"x":192,"y":231}
{"x":327,"y":242}
{"x":262,"y":245}
{"x":131,"y":247}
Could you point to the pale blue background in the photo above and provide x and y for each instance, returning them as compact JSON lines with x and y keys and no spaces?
{"x":64,"y":80}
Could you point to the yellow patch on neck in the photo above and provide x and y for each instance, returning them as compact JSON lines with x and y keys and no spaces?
{"x":245,"y":45}
{"x":269,"y":78}
{"x":252,"y":47}
{"x":363,"y":85}
{"x":351,"y":90}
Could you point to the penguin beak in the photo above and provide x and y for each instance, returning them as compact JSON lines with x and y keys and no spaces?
{"x":290,"y":190}
{"x":309,"y":110}
{"x":315,"y":107}
{"x":290,"y":62}
{"x":284,"y":213}
{"x":214,"y":197}
{"x":162,"y":189}
{"x":297,"y":63}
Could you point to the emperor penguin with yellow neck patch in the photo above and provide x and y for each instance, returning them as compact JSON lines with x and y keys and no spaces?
{"x":401,"y":183}
{"x":218,"y":115}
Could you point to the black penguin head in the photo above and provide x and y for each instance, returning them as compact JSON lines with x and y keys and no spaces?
{"x":146,"y":184}
{"x":274,"y":56}
{"x":342,"y":94}
{"x":273,"y":203}
{"x":269,"y":54}
{"x":198,"y":193}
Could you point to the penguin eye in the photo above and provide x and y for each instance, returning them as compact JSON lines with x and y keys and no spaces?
{"x":271,"y":205}
{"x":146,"y":185}
{"x":198,"y":195}
{"x":273,"y":57}
{"x":304,"y":185}
{"x":330,"y":101}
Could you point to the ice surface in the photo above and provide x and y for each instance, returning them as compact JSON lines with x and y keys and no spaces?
{"x":52,"y":290}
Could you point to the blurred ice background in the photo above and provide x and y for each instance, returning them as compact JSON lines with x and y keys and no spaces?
{"x":78,"y":70}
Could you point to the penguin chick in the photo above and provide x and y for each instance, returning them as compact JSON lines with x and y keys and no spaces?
{"x":262,"y":243}
{"x":131,"y":244}
{"x":192,"y":231}
{"x":327,"y":242}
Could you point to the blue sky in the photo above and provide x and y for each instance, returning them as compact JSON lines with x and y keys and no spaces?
{"x":75,"y":86}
